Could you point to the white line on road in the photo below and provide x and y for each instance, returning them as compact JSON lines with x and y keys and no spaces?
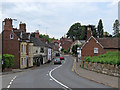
{"x":11,"y":82}
{"x":50,"y":74}
{"x":8,"y":86}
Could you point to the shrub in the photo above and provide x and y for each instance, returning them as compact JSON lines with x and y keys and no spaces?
{"x":8,"y":61}
{"x":107,"y":58}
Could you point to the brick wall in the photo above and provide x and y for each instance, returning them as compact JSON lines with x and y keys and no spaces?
{"x":11,"y":46}
{"x":88,"y":49}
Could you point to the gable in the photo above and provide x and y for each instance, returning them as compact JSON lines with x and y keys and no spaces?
{"x":88,"y":41}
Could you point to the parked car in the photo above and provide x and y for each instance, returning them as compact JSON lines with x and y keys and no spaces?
{"x":57,"y":61}
{"x":57,"y":54}
{"x":61,"y":57}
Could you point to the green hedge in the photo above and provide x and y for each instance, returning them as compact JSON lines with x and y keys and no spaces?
{"x":8,"y":61}
{"x":107,"y":58}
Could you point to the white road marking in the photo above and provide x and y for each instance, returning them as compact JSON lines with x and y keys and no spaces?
{"x":50,"y":79}
{"x":50,"y":74}
{"x":11,"y":82}
{"x":8,"y":86}
{"x":47,"y":74}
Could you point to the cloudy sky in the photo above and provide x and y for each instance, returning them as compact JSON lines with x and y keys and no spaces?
{"x":54,"y":17}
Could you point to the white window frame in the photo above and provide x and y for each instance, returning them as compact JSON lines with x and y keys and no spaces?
{"x":12,"y":36}
{"x":96,"y":50}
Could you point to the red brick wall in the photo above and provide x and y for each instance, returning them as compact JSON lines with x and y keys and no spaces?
{"x":88,"y":49}
{"x":11,"y":46}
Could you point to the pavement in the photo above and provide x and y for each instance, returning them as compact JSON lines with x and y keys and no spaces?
{"x":94,"y":76}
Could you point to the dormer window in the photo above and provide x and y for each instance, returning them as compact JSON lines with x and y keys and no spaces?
{"x":11,"y":36}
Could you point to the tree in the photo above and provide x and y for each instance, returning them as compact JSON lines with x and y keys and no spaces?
{"x":76,"y":32}
{"x":100,"y":29}
{"x":116,"y":29}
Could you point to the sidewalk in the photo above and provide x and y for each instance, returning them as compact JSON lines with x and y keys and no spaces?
{"x":94,"y":76}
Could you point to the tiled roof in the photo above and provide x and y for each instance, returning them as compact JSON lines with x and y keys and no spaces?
{"x":25,"y":36}
{"x":109,"y":42}
{"x":37,"y":42}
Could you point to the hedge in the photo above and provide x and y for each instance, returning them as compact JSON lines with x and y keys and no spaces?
{"x":107,"y":58}
{"x":8,"y":61}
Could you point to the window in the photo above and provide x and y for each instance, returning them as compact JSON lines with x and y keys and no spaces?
{"x":21,"y":61}
{"x":95,"y":50}
{"x":21,"y":48}
{"x":42,"y":50}
{"x":25,"y":49}
{"x":29,"y":48}
{"x":11,"y":36}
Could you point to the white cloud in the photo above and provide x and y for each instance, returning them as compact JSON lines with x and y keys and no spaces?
{"x":58,"y":17}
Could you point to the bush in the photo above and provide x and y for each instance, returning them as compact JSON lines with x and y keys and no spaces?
{"x":107,"y":58}
{"x":8,"y":61}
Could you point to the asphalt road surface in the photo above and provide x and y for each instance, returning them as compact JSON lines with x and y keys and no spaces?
{"x":49,"y":76}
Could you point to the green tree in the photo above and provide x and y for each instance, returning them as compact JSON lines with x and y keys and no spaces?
{"x":116,"y":29}
{"x":76,"y":32}
{"x":100,"y":28}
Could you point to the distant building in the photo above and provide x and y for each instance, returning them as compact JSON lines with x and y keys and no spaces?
{"x":65,"y":43}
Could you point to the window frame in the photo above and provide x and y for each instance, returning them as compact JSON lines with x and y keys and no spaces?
{"x":12,"y":36}
{"x":96,"y":51}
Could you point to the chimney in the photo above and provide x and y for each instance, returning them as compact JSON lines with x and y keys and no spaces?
{"x":36,"y":34}
{"x":22,"y":26}
{"x":89,"y":33}
{"x":8,"y":24}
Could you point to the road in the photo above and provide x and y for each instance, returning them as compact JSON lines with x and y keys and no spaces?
{"x":49,"y":76}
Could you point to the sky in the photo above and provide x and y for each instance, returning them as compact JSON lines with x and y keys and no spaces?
{"x":54,"y":17}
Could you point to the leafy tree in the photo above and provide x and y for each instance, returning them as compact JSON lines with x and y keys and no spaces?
{"x":46,"y":37}
{"x":100,"y":29}
{"x":116,"y":29}
{"x":74,"y":31}
{"x":79,"y":32}
{"x":107,"y":34}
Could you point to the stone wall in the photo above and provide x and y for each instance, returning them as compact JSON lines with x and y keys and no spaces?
{"x":108,"y":69}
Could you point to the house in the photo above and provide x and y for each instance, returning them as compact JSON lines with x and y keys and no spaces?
{"x":17,"y":42}
{"x":40,"y":49}
{"x":77,"y":42}
{"x":97,"y":46}
{"x":65,"y":43}
{"x":56,"y":45}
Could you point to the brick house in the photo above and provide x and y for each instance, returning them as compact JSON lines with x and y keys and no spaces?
{"x":65,"y":43}
{"x":17,"y":42}
{"x":97,"y":46}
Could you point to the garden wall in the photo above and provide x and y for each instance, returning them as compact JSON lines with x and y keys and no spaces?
{"x":108,"y":69}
